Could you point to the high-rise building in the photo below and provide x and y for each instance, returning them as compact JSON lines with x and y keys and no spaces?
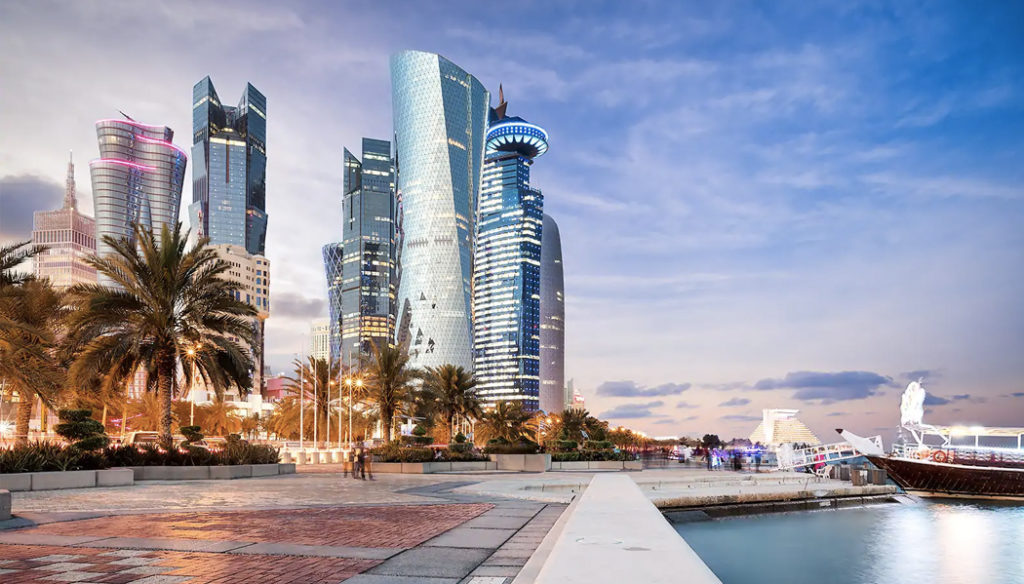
{"x":368,"y":256}
{"x":333,"y":257}
{"x":552,"y":321}
{"x":229,"y":168}
{"x":320,"y":339}
{"x":440,"y":117}
{"x":137,"y":179}
{"x":69,"y":237}
{"x":507,"y":276}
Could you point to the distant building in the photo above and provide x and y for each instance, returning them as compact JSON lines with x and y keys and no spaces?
{"x":334,"y":255}
{"x":440,"y":118}
{"x":578,"y":403}
{"x":229,"y":168}
{"x":782,"y":427}
{"x":368,"y":257}
{"x":70,"y":239}
{"x":507,"y":272}
{"x":137,"y":179}
{"x":552,"y":320}
{"x":568,"y":392}
{"x":320,"y":339}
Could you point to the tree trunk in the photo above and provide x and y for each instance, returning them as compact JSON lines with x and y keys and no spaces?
{"x":386,"y":419}
{"x":450,"y":418}
{"x":164,"y":381}
{"x":23,"y":417}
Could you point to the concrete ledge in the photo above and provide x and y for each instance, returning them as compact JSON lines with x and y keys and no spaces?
{"x":523,"y":462}
{"x":115,"y":477}
{"x":21,"y":481}
{"x":615,"y":534}
{"x":235,"y":471}
{"x":286,"y":468}
{"x":74,"y":479}
{"x":598,"y":465}
{"x":265,"y":470}
{"x":5,"y":505}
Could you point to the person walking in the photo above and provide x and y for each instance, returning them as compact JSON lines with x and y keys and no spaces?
{"x":361,"y":462}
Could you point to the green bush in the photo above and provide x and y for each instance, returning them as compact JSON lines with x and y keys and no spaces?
{"x":562,"y":445}
{"x":598,"y":445}
{"x":47,"y":457}
{"x":566,"y":456}
{"x":518,"y":448}
{"x":395,"y":452}
{"x":460,"y":438}
{"x":462,"y":455}
{"x":590,"y":455}
{"x":81,"y":431}
{"x":416,"y":440}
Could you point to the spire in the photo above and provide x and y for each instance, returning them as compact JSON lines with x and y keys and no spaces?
{"x":499,"y":112}
{"x":70,"y":202}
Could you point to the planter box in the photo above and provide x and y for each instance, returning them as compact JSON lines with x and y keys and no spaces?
{"x":570,"y":465}
{"x":285,"y":468}
{"x":386,"y":467}
{"x":264,"y":470}
{"x":633,"y":465}
{"x":606,"y":464}
{"x":413,"y":467}
{"x":21,"y":481}
{"x":115,"y":477}
{"x":74,"y":479}
{"x":5,"y":505}
{"x":471,"y":465}
{"x":523,"y":462}
{"x":232,"y":471}
{"x":172,"y":473}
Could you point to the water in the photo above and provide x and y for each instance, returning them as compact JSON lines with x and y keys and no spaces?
{"x":947,"y":542}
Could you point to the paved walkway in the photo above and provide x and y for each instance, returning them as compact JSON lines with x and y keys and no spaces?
{"x":306,"y":528}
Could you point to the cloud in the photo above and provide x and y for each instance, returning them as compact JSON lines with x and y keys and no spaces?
{"x":1017,"y":394}
{"x":293,"y":305}
{"x":730,"y":386}
{"x":690,"y":418}
{"x":22,"y":195}
{"x":740,"y":418}
{"x":686,"y":405}
{"x":665,"y":421}
{"x":734,"y":402}
{"x":833,"y":414}
{"x":631,"y":389}
{"x":626,"y":411}
{"x":926,"y":374}
{"x":936,"y":400}
{"x":829,"y":387}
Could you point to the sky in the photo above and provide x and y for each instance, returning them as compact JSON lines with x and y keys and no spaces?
{"x":761,"y":204}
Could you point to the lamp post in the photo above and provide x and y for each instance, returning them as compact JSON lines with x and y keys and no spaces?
{"x":191,"y":352}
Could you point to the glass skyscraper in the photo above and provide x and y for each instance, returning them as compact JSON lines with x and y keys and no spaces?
{"x":333,"y":256}
{"x":507,"y":280}
{"x":368,"y":252}
{"x":70,"y":240}
{"x":137,"y":179}
{"x":553,"y":397}
{"x":229,"y":168}
{"x":440,"y":117}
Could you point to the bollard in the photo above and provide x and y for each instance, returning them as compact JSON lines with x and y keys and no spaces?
{"x":878,"y":477}
{"x":300,"y":457}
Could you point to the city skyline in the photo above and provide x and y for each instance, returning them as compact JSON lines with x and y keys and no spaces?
{"x":787,"y":222}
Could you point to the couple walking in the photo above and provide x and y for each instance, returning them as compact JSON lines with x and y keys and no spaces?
{"x":360,"y":461}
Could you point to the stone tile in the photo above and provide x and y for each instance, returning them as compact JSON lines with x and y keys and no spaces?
{"x":147,"y":570}
{"x":496,"y":522}
{"x":6,"y":571}
{"x":71,"y":576}
{"x":135,"y":562}
{"x":468,"y":537}
{"x":506,"y":561}
{"x":28,"y":538}
{"x":162,"y":579}
{"x":436,"y":562}
{"x":126,"y":553}
{"x":486,"y":580}
{"x":179,"y":545}
{"x":380,"y":579}
{"x":64,"y":566}
{"x":509,"y":571}
{"x":58,"y":558}
{"x":327,"y":551}
{"x":511,"y":512}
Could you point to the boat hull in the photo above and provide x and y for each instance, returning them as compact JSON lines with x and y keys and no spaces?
{"x":937,"y":479}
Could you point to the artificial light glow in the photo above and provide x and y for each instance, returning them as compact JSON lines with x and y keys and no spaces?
{"x":122,"y":163}
{"x":6,"y":428}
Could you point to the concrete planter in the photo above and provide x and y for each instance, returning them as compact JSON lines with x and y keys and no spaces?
{"x":74,"y":479}
{"x":171,"y":473}
{"x":234,"y":471}
{"x":5,"y":505}
{"x":285,"y":468}
{"x":264,"y":470}
{"x":115,"y":477}
{"x":387,"y":467}
{"x":523,"y":462}
{"x":21,"y":481}
{"x":633,"y":465}
{"x":474,"y":465}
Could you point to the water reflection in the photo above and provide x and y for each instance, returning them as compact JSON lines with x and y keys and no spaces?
{"x":934,"y":542}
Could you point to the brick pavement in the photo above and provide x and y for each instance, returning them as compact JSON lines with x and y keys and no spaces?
{"x":24,"y":564}
{"x":401,"y":526}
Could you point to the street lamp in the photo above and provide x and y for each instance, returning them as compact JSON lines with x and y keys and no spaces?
{"x":350,"y":382}
{"x":191,"y":352}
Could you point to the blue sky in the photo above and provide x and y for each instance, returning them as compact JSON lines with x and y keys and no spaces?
{"x":761,"y":204}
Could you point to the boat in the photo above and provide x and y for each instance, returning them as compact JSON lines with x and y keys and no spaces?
{"x":942,"y":468}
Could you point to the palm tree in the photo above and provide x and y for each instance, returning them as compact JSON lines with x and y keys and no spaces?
{"x":317,"y":377}
{"x":389,"y":383}
{"x":28,"y":346}
{"x":169,"y":305}
{"x":11,"y":257}
{"x":144,"y":414}
{"x":508,"y":421}
{"x":453,"y":392}
{"x":218,"y":418}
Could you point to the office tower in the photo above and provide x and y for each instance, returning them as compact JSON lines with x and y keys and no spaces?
{"x":229,"y":168}
{"x":333,"y":257}
{"x":568,"y":393}
{"x":69,"y":237}
{"x":368,"y":252}
{"x":440,"y":117}
{"x":320,"y":339}
{"x":507,"y":276}
{"x":137,"y":179}
{"x":552,"y":321}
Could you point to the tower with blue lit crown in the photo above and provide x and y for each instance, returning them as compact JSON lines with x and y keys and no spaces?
{"x":507,"y":274}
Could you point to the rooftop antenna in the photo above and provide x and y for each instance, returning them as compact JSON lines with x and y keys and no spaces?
{"x":499,"y":111}
{"x":125,"y":115}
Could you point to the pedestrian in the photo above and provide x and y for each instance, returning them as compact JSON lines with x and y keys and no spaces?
{"x":707,"y":457}
{"x":361,"y":462}
{"x":757,"y":460}
{"x":346,"y":461}
{"x":368,"y":463}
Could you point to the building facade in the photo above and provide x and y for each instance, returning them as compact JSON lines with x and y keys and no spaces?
{"x":333,"y":257}
{"x":229,"y":168}
{"x":320,"y":339}
{"x":552,"y":321}
{"x":137,"y":179}
{"x":368,"y":289}
{"x":507,"y":277}
{"x":440,"y":118}
{"x":70,"y":239}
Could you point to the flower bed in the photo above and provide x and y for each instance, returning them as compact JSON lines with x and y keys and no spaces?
{"x":47,"y":457}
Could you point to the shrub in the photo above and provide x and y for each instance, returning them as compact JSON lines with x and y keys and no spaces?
{"x":562,"y":445}
{"x":462,"y":455}
{"x":566,"y":456}
{"x":83,"y":432}
{"x":48,"y":456}
{"x":517,"y":448}
{"x":460,"y":447}
{"x":395,"y":452}
{"x":598,"y":445}
{"x":419,"y":431}
{"x":460,"y":438}
{"x":414,"y":440}
{"x":590,"y":455}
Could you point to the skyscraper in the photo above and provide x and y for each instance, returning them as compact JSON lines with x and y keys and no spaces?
{"x":333,"y":257}
{"x":440,"y":117}
{"x":137,"y":179}
{"x":69,"y":237}
{"x":507,"y":277}
{"x":229,"y":168}
{"x":368,"y":242}
{"x":319,"y":339}
{"x":552,"y":320}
